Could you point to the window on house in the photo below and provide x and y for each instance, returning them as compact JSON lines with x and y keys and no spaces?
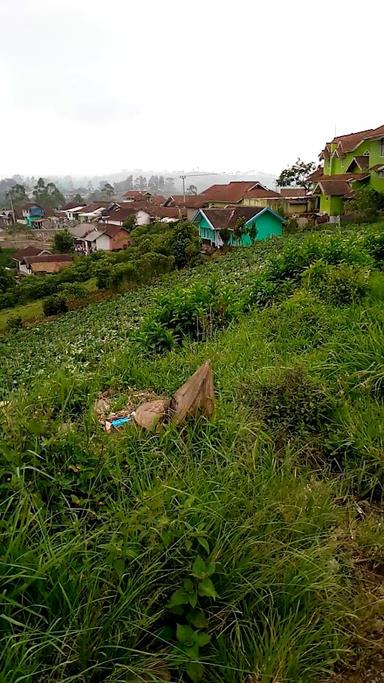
{"x":382,"y":147}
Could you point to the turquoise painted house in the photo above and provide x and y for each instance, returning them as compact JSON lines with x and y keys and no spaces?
{"x":260,"y":223}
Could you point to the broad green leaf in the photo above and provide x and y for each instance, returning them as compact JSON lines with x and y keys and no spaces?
{"x":185,"y":634}
{"x":193,"y":599}
{"x":195,"y":671}
{"x":188,"y":585}
{"x":192,"y":652}
{"x":179,"y":597}
{"x":211,"y":567}
{"x":204,"y":543}
{"x":199,"y":568}
{"x":202,"y":639}
{"x":197,"y":618}
{"x":206,"y":588}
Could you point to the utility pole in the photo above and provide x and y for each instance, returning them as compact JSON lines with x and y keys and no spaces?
{"x":192,"y":175}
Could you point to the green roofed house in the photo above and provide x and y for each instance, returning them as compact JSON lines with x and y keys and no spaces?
{"x":259,"y":224}
{"x":350,"y":161}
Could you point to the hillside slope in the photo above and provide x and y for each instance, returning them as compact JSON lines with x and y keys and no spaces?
{"x":246,"y":548}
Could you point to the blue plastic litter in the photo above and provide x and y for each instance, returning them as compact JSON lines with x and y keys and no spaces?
{"x":120,"y":421}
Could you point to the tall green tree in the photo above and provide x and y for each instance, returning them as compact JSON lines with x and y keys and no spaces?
{"x":106,"y":191}
{"x":296,"y":175}
{"x":17,"y":194}
{"x":63,"y":242}
{"x":78,"y":199}
{"x":48,"y":196}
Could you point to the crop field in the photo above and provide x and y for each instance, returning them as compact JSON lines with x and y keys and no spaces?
{"x":248,"y":548}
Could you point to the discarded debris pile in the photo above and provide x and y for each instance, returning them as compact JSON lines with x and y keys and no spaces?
{"x":194,"y":397}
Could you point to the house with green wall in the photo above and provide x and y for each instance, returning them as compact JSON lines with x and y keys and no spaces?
{"x":259,"y":224}
{"x":349,"y":162}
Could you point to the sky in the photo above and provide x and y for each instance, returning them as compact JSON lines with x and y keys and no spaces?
{"x":98,"y":86}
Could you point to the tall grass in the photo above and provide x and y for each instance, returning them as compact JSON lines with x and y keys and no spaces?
{"x":98,"y":531}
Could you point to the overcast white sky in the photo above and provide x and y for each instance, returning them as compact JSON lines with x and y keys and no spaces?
{"x":97,"y":86}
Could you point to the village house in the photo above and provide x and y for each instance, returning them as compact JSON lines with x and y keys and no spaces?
{"x":239,"y":192}
{"x":30,"y":214}
{"x":264,"y":221}
{"x":72,"y":211}
{"x":298,"y":200}
{"x":189,"y":205}
{"x":120,"y":214}
{"x":136,"y":195}
{"x":95,"y":210}
{"x":21,"y":254}
{"x":349,"y":162}
{"x":42,"y":264}
{"x":103,"y":238}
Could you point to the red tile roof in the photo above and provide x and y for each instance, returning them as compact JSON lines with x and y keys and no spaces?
{"x":191,"y":201}
{"x":227,"y":218}
{"x":112,"y":230}
{"x":122,"y":213}
{"x":28,"y":251}
{"x":232,"y":192}
{"x":136,"y":194}
{"x":349,"y":142}
{"x":335,"y":188}
{"x":262,"y":193}
{"x":361,"y":161}
{"x":318,"y":173}
{"x":48,"y":258}
{"x":166,"y":211}
{"x":293,"y":192}
{"x":72,"y":205}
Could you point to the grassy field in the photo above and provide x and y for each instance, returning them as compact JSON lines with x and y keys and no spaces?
{"x":244,"y":549}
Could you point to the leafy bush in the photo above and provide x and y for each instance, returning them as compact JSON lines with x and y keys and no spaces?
{"x":296,"y":256}
{"x":366,"y":204}
{"x":290,"y":401}
{"x":375,"y":246}
{"x":9,"y":299}
{"x":63,"y":242}
{"x":54,"y":305}
{"x":195,"y":313}
{"x":338,"y":285}
{"x":291,"y":226}
{"x":264,"y":291}
{"x":72,"y":290}
{"x":15,"y":323}
{"x":184,"y":243}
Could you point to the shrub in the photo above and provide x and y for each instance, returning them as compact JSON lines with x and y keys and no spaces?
{"x":14,"y":323}
{"x":296,"y":256}
{"x":338,"y":285}
{"x":9,"y":299}
{"x":366,"y":204}
{"x":264,"y":291}
{"x":290,"y":401}
{"x":184,"y":243}
{"x":291,"y":226}
{"x":72,"y":290}
{"x":54,"y":305}
{"x":375,"y":246}
{"x":195,"y":313}
{"x":156,"y":337}
{"x":63,"y":242}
